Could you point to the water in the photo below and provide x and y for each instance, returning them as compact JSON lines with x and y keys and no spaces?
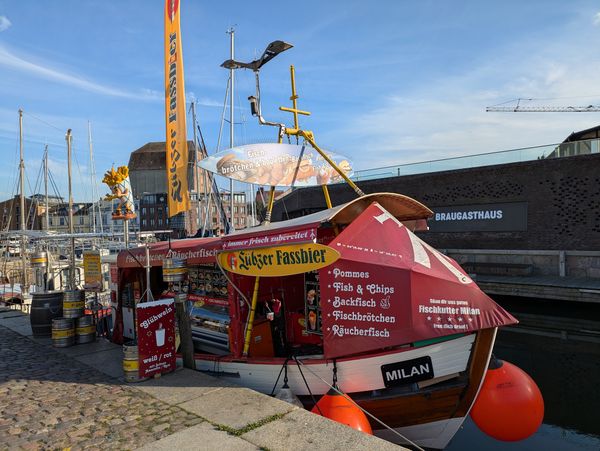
{"x":567,"y":372}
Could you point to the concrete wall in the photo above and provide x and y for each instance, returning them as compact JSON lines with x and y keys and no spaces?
{"x":580,"y":264}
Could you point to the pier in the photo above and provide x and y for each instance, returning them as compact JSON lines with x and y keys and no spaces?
{"x":76,"y":397}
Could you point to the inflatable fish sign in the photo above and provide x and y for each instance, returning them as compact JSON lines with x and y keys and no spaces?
{"x":277,"y":165}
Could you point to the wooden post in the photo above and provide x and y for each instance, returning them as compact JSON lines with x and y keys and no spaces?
{"x":185,"y":332}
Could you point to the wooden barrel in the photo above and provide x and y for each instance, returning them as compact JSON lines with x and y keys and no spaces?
{"x":174,"y":269}
{"x":85,"y":329}
{"x":45,"y":306}
{"x":130,"y":362}
{"x":39,"y":260}
{"x":63,"y":332}
{"x":73,"y":303}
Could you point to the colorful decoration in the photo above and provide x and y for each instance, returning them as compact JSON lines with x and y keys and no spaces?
{"x":120,"y":187}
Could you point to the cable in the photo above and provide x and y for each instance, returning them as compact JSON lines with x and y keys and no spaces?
{"x":308,"y":387}
{"x":42,"y":121}
{"x":354,"y":402}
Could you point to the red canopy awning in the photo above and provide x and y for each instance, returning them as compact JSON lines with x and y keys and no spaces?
{"x":390,"y":288}
{"x":304,"y":229}
{"x":195,"y":250}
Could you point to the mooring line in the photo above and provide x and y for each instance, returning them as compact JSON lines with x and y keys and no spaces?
{"x":410,"y":442}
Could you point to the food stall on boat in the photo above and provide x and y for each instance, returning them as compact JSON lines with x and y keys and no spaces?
{"x":347,"y":296}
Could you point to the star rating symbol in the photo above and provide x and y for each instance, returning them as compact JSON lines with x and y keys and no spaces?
{"x":429,"y":318}
{"x":460,"y":319}
{"x":439,"y":318}
{"x":449,"y":320}
{"x":470,"y":319}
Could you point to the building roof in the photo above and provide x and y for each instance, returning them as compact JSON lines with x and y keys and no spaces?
{"x":590,"y":133}
{"x":151,"y":156}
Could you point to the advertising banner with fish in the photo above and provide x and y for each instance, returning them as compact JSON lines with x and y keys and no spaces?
{"x":176,"y":142}
{"x":277,"y":165}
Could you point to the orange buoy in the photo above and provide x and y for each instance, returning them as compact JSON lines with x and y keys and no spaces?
{"x":509,"y":406}
{"x":339,"y":408}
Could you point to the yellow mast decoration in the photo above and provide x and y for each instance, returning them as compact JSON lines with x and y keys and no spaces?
{"x":176,"y":142}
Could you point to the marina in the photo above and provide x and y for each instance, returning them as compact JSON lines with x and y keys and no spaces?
{"x":329,"y":282}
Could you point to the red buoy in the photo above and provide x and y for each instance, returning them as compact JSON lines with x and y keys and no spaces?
{"x":339,"y":408}
{"x":509,"y":406}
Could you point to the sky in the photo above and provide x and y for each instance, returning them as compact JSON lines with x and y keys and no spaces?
{"x":388,"y":82}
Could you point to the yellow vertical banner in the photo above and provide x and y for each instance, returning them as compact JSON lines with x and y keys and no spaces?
{"x":176,"y":142}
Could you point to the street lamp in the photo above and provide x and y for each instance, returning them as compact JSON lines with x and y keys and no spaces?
{"x":272,"y":50}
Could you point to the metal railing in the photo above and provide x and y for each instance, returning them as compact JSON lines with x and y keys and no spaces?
{"x":561,"y":150}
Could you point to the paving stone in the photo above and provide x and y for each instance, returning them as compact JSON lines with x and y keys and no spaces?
{"x":307,"y":431}
{"x":201,"y":437}
{"x":50,"y":400}
{"x":236,"y":407}
{"x":174,"y":388}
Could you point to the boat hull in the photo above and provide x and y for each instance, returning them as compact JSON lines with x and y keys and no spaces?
{"x":428,"y":412}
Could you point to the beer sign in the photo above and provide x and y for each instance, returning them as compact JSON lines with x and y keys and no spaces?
{"x":279,"y":260}
{"x":92,"y":269}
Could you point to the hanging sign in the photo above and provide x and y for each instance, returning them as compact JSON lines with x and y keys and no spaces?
{"x":156,"y":337}
{"x":176,"y":143}
{"x":278,"y":261}
{"x":92,"y":268}
{"x":277,"y":165}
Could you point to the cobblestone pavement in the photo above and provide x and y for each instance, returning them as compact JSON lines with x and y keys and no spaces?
{"x":50,"y":401}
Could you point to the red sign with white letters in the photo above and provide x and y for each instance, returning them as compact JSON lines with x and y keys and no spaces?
{"x":389,"y":288}
{"x":156,"y":337}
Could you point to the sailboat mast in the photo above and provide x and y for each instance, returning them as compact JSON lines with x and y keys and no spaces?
{"x":47,"y":212}
{"x":196,"y":181}
{"x":71,"y":231}
{"x":231,"y":117}
{"x":92,"y":176}
{"x":22,"y":199}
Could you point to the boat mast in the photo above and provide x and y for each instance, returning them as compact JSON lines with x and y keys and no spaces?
{"x":196,"y":181}
{"x":92,"y":175}
{"x":47,"y":212}
{"x":231,"y":32}
{"x":22,"y":199}
{"x":71,"y":231}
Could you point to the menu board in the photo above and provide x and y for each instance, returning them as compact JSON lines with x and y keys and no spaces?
{"x":156,"y":337}
{"x":207,"y":285}
{"x":312,"y":303}
{"x":364,"y":309}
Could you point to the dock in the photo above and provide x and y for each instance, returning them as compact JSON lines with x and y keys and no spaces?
{"x":573,"y":289}
{"x":76,"y":397}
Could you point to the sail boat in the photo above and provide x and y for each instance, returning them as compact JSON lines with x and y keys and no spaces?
{"x":348,"y":297}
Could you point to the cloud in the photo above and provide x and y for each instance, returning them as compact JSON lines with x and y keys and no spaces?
{"x":4,"y":23}
{"x":597,"y":19}
{"x":446,"y":116}
{"x":9,"y":59}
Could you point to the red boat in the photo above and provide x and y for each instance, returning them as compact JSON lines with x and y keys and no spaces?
{"x":399,"y":326}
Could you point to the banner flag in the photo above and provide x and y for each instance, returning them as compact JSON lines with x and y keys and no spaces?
{"x":176,"y":142}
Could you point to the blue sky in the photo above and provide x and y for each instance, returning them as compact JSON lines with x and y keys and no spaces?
{"x":388,"y":82}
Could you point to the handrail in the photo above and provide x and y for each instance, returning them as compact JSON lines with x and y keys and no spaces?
{"x":560,"y":150}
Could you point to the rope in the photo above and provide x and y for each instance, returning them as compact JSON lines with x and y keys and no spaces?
{"x":307,"y":386}
{"x":410,"y":442}
{"x":279,"y":375}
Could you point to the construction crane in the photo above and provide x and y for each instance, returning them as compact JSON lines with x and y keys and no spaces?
{"x":540,"y":109}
